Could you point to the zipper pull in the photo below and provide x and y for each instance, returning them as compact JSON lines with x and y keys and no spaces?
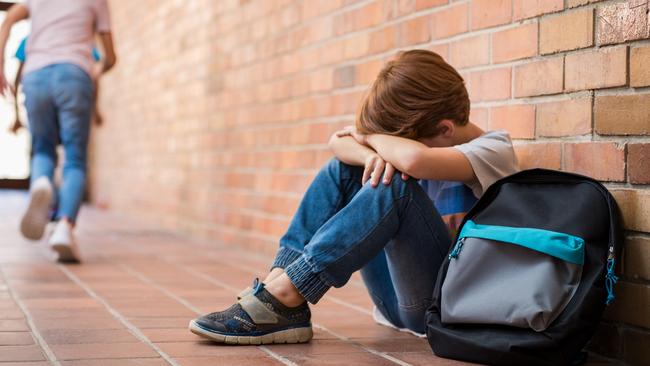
{"x":456,"y":251}
{"x":610,"y":277}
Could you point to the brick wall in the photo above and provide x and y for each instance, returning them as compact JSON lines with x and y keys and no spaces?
{"x":218,"y":113}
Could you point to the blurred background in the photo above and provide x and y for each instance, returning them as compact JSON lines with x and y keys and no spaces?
{"x":218,"y":113}
{"x":14,"y":148}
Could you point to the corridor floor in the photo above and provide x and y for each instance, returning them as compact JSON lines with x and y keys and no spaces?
{"x":129,"y":303}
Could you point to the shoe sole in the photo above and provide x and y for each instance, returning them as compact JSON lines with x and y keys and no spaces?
{"x":32,"y":226}
{"x":64,"y":253}
{"x":293,"y":335}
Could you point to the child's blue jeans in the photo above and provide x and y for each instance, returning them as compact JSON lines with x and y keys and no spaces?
{"x":392,"y":233}
{"x":59,"y":102}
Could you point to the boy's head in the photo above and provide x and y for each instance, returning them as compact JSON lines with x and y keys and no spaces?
{"x":412,"y":94}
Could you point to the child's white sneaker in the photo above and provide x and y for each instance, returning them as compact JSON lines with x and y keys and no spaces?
{"x":380,"y":319}
{"x":63,"y":243}
{"x":37,"y":215}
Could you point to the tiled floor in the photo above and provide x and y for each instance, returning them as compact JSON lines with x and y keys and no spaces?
{"x":131,"y":300}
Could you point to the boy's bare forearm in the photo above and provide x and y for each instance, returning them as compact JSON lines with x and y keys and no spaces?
{"x":420,"y":161}
{"x":401,"y":152}
{"x":349,"y":151}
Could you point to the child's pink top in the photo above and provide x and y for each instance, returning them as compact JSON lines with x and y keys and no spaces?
{"x":63,"y":32}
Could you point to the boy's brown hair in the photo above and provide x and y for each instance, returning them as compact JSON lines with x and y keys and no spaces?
{"x":411,"y":94}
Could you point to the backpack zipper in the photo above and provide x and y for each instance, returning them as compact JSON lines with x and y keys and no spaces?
{"x":610,"y":277}
{"x":456,"y":251}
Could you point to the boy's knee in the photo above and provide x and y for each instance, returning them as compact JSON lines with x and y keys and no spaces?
{"x":404,"y":184}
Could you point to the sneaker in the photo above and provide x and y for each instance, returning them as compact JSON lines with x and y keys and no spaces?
{"x":36,"y":217}
{"x":380,"y":319}
{"x":256,"y":318}
{"x":63,"y":243}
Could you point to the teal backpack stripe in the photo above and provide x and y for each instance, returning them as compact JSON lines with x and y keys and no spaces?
{"x":560,"y":245}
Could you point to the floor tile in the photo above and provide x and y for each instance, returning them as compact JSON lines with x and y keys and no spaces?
{"x":21,"y":353}
{"x":102,"y":350}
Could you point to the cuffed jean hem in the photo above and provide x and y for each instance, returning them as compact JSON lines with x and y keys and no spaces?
{"x":308,"y":283}
{"x":285,"y":257}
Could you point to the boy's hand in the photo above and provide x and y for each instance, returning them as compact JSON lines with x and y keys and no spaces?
{"x":352,"y":132}
{"x":376,"y":169}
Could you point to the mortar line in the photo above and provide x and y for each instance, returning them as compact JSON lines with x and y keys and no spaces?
{"x":49,"y":354}
{"x":278,"y":357}
{"x":193,"y":308}
{"x":370,"y":350}
{"x":218,"y":283}
{"x":116,"y":314}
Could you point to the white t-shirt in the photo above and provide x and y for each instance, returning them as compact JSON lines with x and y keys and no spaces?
{"x":492,"y":157}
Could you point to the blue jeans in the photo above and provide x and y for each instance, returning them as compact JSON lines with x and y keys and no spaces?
{"x":392,"y":233}
{"x":59,"y":102}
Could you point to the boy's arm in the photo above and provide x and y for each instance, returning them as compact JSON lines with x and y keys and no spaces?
{"x":420,"y":161}
{"x":349,"y":151}
{"x":15,"y":14}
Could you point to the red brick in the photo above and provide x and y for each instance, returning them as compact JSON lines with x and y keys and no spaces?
{"x":441,"y":49}
{"x":567,"y":31}
{"x":479,"y":116}
{"x":637,"y":258}
{"x":639,"y":70}
{"x":514,"y":43}
{"x":631,"y":304}
{"x":600,"y":160}
{"x":382,"y":40}
{"x":638,"y":162}
{"x":523,"y":9}
{"x":622,"y":114}
{"x":344,"y":76}
{"x":539,"y":77}
{"x":426,"y":4}
{"x":15,"y":339}
{"x":21,"y":353}
{"x":564,"y":118}
{"x":621,"y":22}
{"x":400,"y":8}
{"x":539,"y":155}
{"x":99,"y":350}
{"x":414,"y":31}
{"x":231,"y":360}
{"x":359,"y":18}
{"x":635,"y":207}
{"x":488,"y":13}
{"x":603,"y":68}
{"x":471,"y":51}
{"x":518,"y":120}
{"x":450,"y":21}
{"x":490,"y":85}
{"x":367,"y":72}
{"x":636,"y":342}
{"x":575,"y":3}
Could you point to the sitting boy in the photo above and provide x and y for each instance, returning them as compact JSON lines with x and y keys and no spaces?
{"x":386,"y":205}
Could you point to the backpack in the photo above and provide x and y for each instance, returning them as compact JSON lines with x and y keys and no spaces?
{"x":530,"y":273}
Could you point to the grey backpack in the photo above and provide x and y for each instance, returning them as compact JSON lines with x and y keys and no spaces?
{"x":530,"y":272}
